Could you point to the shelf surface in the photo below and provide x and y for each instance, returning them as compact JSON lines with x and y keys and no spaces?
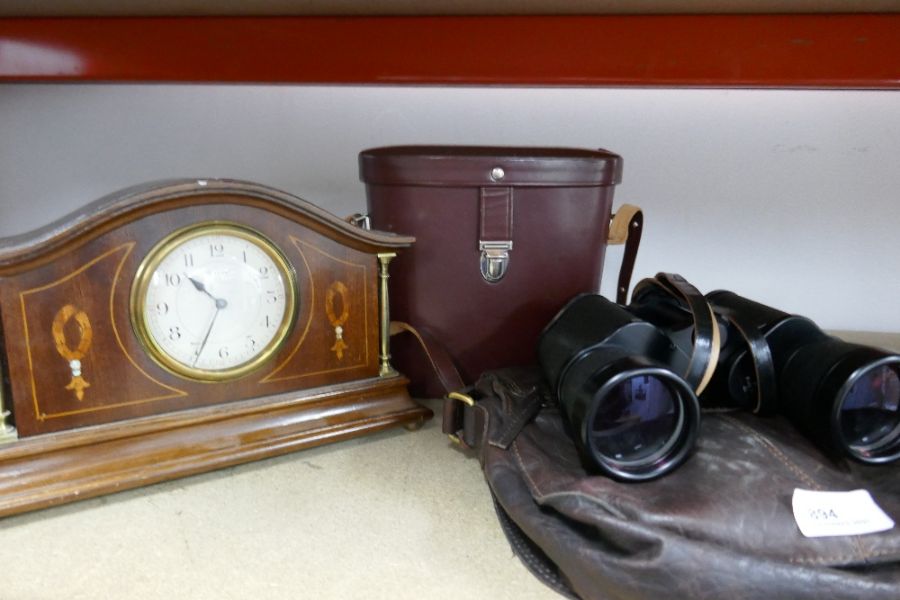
{"x":786,"y":51}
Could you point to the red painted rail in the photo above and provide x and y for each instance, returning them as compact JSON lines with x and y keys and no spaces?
{"x":817,"y":51}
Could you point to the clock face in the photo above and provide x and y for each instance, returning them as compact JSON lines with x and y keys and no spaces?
{"x":213,"y":301}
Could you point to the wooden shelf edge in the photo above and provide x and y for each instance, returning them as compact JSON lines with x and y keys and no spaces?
{"x":857,"y":51}
{"x":67,"y":472}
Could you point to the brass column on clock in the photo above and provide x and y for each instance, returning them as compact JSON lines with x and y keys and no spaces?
{"x":384,"y":260}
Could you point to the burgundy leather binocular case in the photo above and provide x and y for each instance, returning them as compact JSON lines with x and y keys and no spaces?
{"x":505,"y":236}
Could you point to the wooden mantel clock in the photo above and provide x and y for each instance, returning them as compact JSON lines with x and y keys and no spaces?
{"x":185,"y":326}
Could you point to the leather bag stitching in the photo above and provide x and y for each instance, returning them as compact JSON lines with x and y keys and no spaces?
{"x":807,"y":479}
{"x":842,"y":559}
{"x":535,"y":489}
{"x":532,"y":561}
{"x":774,"y":451}
{"x":860,"y":556}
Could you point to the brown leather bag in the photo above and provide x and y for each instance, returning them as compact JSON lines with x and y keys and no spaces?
{"x":504,"y":237}
{"x":721,"y":526}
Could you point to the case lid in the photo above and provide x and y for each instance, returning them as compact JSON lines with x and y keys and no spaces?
{"x":489,"y":165}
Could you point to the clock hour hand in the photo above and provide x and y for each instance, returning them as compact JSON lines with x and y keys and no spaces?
{"x":198,"y":285}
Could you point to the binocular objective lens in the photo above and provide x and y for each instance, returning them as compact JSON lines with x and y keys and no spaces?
{"x":870,"y":411}
{"x":638,"y":421}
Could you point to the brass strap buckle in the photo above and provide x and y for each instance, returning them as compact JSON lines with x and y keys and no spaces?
{"x":465,"y":399}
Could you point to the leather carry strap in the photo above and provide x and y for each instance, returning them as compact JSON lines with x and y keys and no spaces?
{"x":626,"y":228}
{"x":437,"y":355}
{"x":706,"y":338}
{"x":761,"y":355}
{"x":454,"y":418}
{"x":689,"y":298}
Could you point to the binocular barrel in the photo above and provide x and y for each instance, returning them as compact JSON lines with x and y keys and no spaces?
{"x":843,"y":396}
{"x":625,"y":377}
{"x":631,"y":416}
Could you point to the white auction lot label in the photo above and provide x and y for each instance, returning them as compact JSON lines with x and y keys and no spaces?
{"x":822,"y":514}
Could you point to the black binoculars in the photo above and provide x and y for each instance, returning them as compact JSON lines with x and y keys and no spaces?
{"x":631,"y":379}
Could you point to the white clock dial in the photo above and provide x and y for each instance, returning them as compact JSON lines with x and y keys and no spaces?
{"x":214,"y":301}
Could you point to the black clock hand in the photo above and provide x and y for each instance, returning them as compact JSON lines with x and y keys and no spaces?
{"x":206,"y":337}
{"x":198,"y":285}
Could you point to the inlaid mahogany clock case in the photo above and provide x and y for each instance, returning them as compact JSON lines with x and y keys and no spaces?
{"x":93,"y":413}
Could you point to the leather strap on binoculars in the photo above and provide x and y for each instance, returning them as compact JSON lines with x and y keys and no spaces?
{"x":706,"y":332}
{"x":707,"y":338}
{"x":763,"y":365}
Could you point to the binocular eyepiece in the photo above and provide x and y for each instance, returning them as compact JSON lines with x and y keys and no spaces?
{"x":631,"y":379}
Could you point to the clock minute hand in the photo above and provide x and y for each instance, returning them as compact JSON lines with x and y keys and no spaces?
{"x":206,"y":337}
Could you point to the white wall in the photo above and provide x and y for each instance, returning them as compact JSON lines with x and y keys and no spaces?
{"x":788,"y":197}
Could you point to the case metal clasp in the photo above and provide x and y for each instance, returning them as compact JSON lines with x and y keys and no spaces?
{"x":494,"y":259}
{"x":360,"y":220}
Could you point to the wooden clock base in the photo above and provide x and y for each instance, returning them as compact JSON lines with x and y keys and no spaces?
{"x":53,"y":469}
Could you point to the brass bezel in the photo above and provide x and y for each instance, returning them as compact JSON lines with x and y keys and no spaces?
{"x":164,"y":248}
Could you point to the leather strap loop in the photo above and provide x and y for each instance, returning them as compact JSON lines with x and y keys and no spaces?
{"x":461,"y":419}
{"x":495,"y":223}
{"x":626,"y":228}
{"x":466,"y":419}
{"x":707,"y":337}
{"x":766,"y":382}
